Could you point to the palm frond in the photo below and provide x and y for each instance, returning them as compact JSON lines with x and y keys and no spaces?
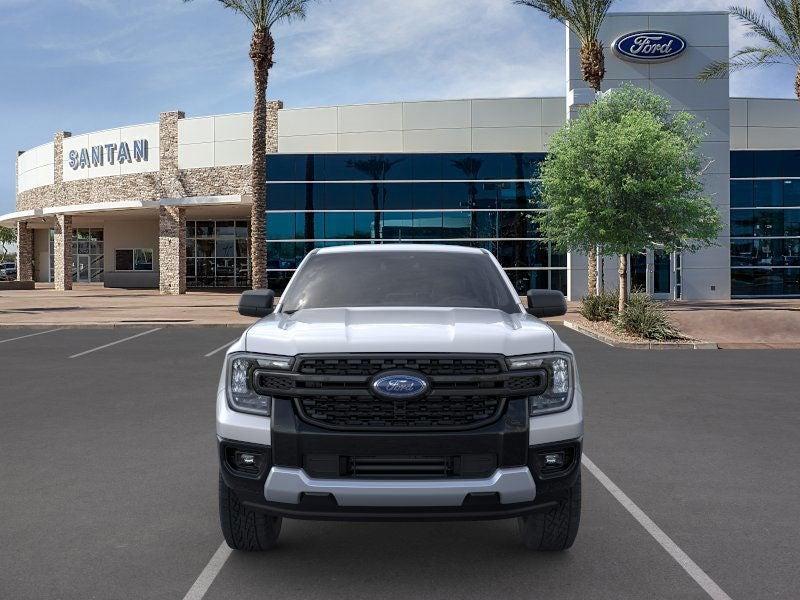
{"x":583,"y":17}
{"x":745,"y":58}
{"x":787,"y":14}
{"x":759,"y":26}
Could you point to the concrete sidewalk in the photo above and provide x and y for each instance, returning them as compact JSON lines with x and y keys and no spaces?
{"x":92,"y":305}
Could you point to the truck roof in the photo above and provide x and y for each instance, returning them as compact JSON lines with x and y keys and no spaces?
{"x":391,"y":247}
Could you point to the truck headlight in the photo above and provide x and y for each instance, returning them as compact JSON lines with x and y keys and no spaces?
{"x":560,"y":381}
{"x":239,"y":381}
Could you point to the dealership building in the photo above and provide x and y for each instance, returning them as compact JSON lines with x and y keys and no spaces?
{"x":167,"y":204}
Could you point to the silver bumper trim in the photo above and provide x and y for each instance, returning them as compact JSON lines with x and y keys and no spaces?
{"x":286,"y":485}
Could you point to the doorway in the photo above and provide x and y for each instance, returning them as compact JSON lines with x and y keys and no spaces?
{"x":654,"y":272}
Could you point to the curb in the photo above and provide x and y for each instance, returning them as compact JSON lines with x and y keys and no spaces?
{"x":640,"y":345}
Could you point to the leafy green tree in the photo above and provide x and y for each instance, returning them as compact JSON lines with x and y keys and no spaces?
{"x":778,"y":36}
{"x":263,"y":15}
{"x":626,"y":174}
{"x":8,"y":236}
{"x":584,"y":19}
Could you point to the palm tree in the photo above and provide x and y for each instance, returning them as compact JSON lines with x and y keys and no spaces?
{"x":263,"y":15}
{"x":584,"y":19}
{"x":780,"y":41}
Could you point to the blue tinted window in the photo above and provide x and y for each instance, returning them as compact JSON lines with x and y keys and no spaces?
{"x":367,"y":196}
{"x":457,"y":224}
{"x":397,"y":196}
{"x":280,"y":226}
{"x":397,"y":225}
{"x":791,"y":192}
{"x":426,"y":166}
{"x":281,"y":167}
{"x":455,"y":195}
{"x":427,"y":225}
{"x":742,"y":223}
{"x":768,"y":163}
{"x":768,"y":193}
{"x":282,"y":196}
{"x":741,"y":194}
{"x":367,"y":225}
{"x":339,"y":196}
{"x":485,"y":223}
{"x":339,"y":225}
{"x":427,"y":195}
{"x":742,"y":164}
{"x":765,"y":282}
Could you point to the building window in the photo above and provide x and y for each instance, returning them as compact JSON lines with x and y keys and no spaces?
{"x":218,"y":254}
{"x":484,"y":200}
{"x":765,"y":223}
{"x":133,"y":259}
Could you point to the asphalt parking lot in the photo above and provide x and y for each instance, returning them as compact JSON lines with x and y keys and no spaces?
{"x":108,"y":483}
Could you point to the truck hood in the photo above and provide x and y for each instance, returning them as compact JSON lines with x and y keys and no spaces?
{"x":342,"y":330}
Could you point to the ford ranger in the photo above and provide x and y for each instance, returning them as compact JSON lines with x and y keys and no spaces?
{"x":400,"y":382}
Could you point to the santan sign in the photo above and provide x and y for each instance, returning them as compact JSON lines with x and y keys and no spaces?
{"x":97,"y":156}
{"x":649,"y":46}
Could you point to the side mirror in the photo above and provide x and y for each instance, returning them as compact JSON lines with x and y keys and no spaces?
{"x":546,"y":303}
{"x":257,"y":303}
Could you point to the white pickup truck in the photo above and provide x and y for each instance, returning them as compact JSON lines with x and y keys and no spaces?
{"x":400,"y":382}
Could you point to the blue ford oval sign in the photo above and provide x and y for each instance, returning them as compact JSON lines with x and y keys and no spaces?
{"x":649,"y":46}
{"x":399,"y":386}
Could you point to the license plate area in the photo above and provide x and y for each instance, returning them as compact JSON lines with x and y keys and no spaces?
{"x":333,"y":466}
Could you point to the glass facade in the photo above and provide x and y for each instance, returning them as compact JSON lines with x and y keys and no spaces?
{"x":765,"y":223}
{"x":88,"y":262}
{"x":481,"y":200}
{"x":218,"y":254}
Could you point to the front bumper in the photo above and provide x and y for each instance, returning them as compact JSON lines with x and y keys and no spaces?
{"x":291,"y":486}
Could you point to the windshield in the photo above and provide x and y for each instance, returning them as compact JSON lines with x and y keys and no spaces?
{"x":402,"y":278}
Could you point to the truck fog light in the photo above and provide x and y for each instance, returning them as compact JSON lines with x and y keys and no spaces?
{"x":249,"y":462}
{"x":554,"y":460}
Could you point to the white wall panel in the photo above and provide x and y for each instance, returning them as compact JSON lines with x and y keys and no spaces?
{"x":766,"y":138}
{"x":195,"y":156}
{"x":233,"y":127}
{"x":308,"y":121}
{"x":507,"y":139}
{"x":717,"y":124}
{"x":299,"y":144}
{"x":437,"y":140}
{"x":738,"y":108}
{"x":508,"y":112}
{"x":691,"y":94}
{"x":370,"y":117}
{"x":698,"y":29}
{"x":554,"y":112}
{"x":739,"y":138}
{"x":444,"y":114}
{"x":773,"y":113}
{"x":371,"y":141}
{"x":196,"y":131}
{"x":234,"y":152}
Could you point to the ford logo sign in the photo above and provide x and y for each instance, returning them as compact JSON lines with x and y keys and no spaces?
{"x":399,"y":386}
{"x":649,"y":46}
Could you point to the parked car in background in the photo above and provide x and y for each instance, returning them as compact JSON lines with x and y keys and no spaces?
{"x":8,"y":271}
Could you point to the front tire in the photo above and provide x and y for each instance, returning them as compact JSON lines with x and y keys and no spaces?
{"x":244,"y":528}
{"x":553,"y":529}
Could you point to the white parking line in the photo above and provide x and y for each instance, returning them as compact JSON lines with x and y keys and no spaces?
{"x":694,"y":571}
{"x":115,"y":343}
{"x":209,"y":574}
{"x":22,"y":337}
{"x":221,"y":348}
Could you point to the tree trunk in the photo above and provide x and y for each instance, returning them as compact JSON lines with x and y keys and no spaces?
{"x":797,"y":84}
{"x":593,"y":64}
{"x":623,"y":282}
{"x":592,"y":272}
{"x":262,"y":48}
{"x":601,"y":275}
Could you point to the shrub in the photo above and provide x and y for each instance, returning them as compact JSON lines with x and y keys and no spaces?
{"x":646,"y":318}
{"x":601,"y":307}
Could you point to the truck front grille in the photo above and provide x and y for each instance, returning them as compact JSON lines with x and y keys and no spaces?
{"x":444,"y":412}
{"x":466,"y":391}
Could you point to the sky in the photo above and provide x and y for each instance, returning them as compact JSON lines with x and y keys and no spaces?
{"x":86,"y":65}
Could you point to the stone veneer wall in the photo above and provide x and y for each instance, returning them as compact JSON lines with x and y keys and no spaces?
{"x":172,"y":250}
{"x":24,"y":252}
{"x":62,"y":251}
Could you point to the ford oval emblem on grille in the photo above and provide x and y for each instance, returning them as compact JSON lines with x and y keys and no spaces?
{"x":400,"y":386}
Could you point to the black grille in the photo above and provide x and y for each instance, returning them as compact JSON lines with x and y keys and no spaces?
{"x":447,"y":412}
{"x":466,"y":391}
{"x":367,"y":366}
